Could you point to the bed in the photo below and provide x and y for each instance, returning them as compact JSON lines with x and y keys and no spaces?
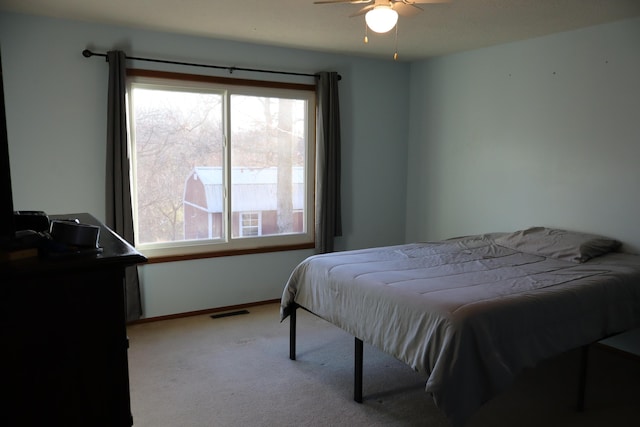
{"x":472,"y":312}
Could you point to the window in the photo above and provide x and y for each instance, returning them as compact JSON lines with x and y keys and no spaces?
{"x":220,"y":166}
{"x":250,"y":224}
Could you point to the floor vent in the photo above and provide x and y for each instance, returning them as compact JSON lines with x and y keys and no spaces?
{"x":229,"y":313}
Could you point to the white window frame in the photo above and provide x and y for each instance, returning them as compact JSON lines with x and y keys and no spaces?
{"x":228,"y":245}
{"x":243,"y":228}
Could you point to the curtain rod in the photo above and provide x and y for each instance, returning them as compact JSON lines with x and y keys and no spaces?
{"x":88,"y":54}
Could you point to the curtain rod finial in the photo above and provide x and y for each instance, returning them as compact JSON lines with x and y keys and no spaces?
{"x":87,"y":53}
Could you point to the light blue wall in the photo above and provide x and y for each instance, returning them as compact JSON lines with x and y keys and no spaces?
{"x":56,"y":114}
{"x":539,"y":132}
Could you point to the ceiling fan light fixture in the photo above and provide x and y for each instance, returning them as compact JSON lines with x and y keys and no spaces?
{"x":381,"y":19}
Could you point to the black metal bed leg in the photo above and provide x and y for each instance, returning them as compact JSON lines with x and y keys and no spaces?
{"x":292,"y":332}
{"x":357,"y":384}
{"x":582,"y":381}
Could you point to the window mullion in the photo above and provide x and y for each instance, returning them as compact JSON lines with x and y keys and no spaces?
{"x":227,"y":167}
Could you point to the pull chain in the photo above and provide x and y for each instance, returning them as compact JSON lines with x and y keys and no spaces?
{"x":395,"y":54}
{"x":366,"y":39}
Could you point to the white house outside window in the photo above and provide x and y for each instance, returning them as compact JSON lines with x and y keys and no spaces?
{"x":219,"y":166}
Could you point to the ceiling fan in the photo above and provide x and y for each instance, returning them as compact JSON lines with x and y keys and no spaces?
{"x":381,"y":16}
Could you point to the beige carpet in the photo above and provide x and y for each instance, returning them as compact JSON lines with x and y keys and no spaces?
{"x":235,"y":371}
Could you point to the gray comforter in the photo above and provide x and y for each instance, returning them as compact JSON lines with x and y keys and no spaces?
{"x":467,"y":312}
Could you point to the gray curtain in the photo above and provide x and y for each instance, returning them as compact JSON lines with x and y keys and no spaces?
{"x":328,"y":208}
{"x":119,"y":213}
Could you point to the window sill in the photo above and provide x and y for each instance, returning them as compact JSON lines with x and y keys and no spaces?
{"x":233,"y":252}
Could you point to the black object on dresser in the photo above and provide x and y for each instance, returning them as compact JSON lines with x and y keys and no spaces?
{"x":64,"y":339}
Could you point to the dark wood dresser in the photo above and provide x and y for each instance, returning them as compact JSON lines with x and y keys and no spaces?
{"x":64,"y":340}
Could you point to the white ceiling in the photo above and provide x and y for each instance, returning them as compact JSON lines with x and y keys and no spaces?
{"x":439,"y":29}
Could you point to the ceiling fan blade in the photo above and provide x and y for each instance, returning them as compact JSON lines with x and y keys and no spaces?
{"x":362,"y":11}
{"x":342,"y":1}
{"x":422,"y":1}
{"x":405,"y":9}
